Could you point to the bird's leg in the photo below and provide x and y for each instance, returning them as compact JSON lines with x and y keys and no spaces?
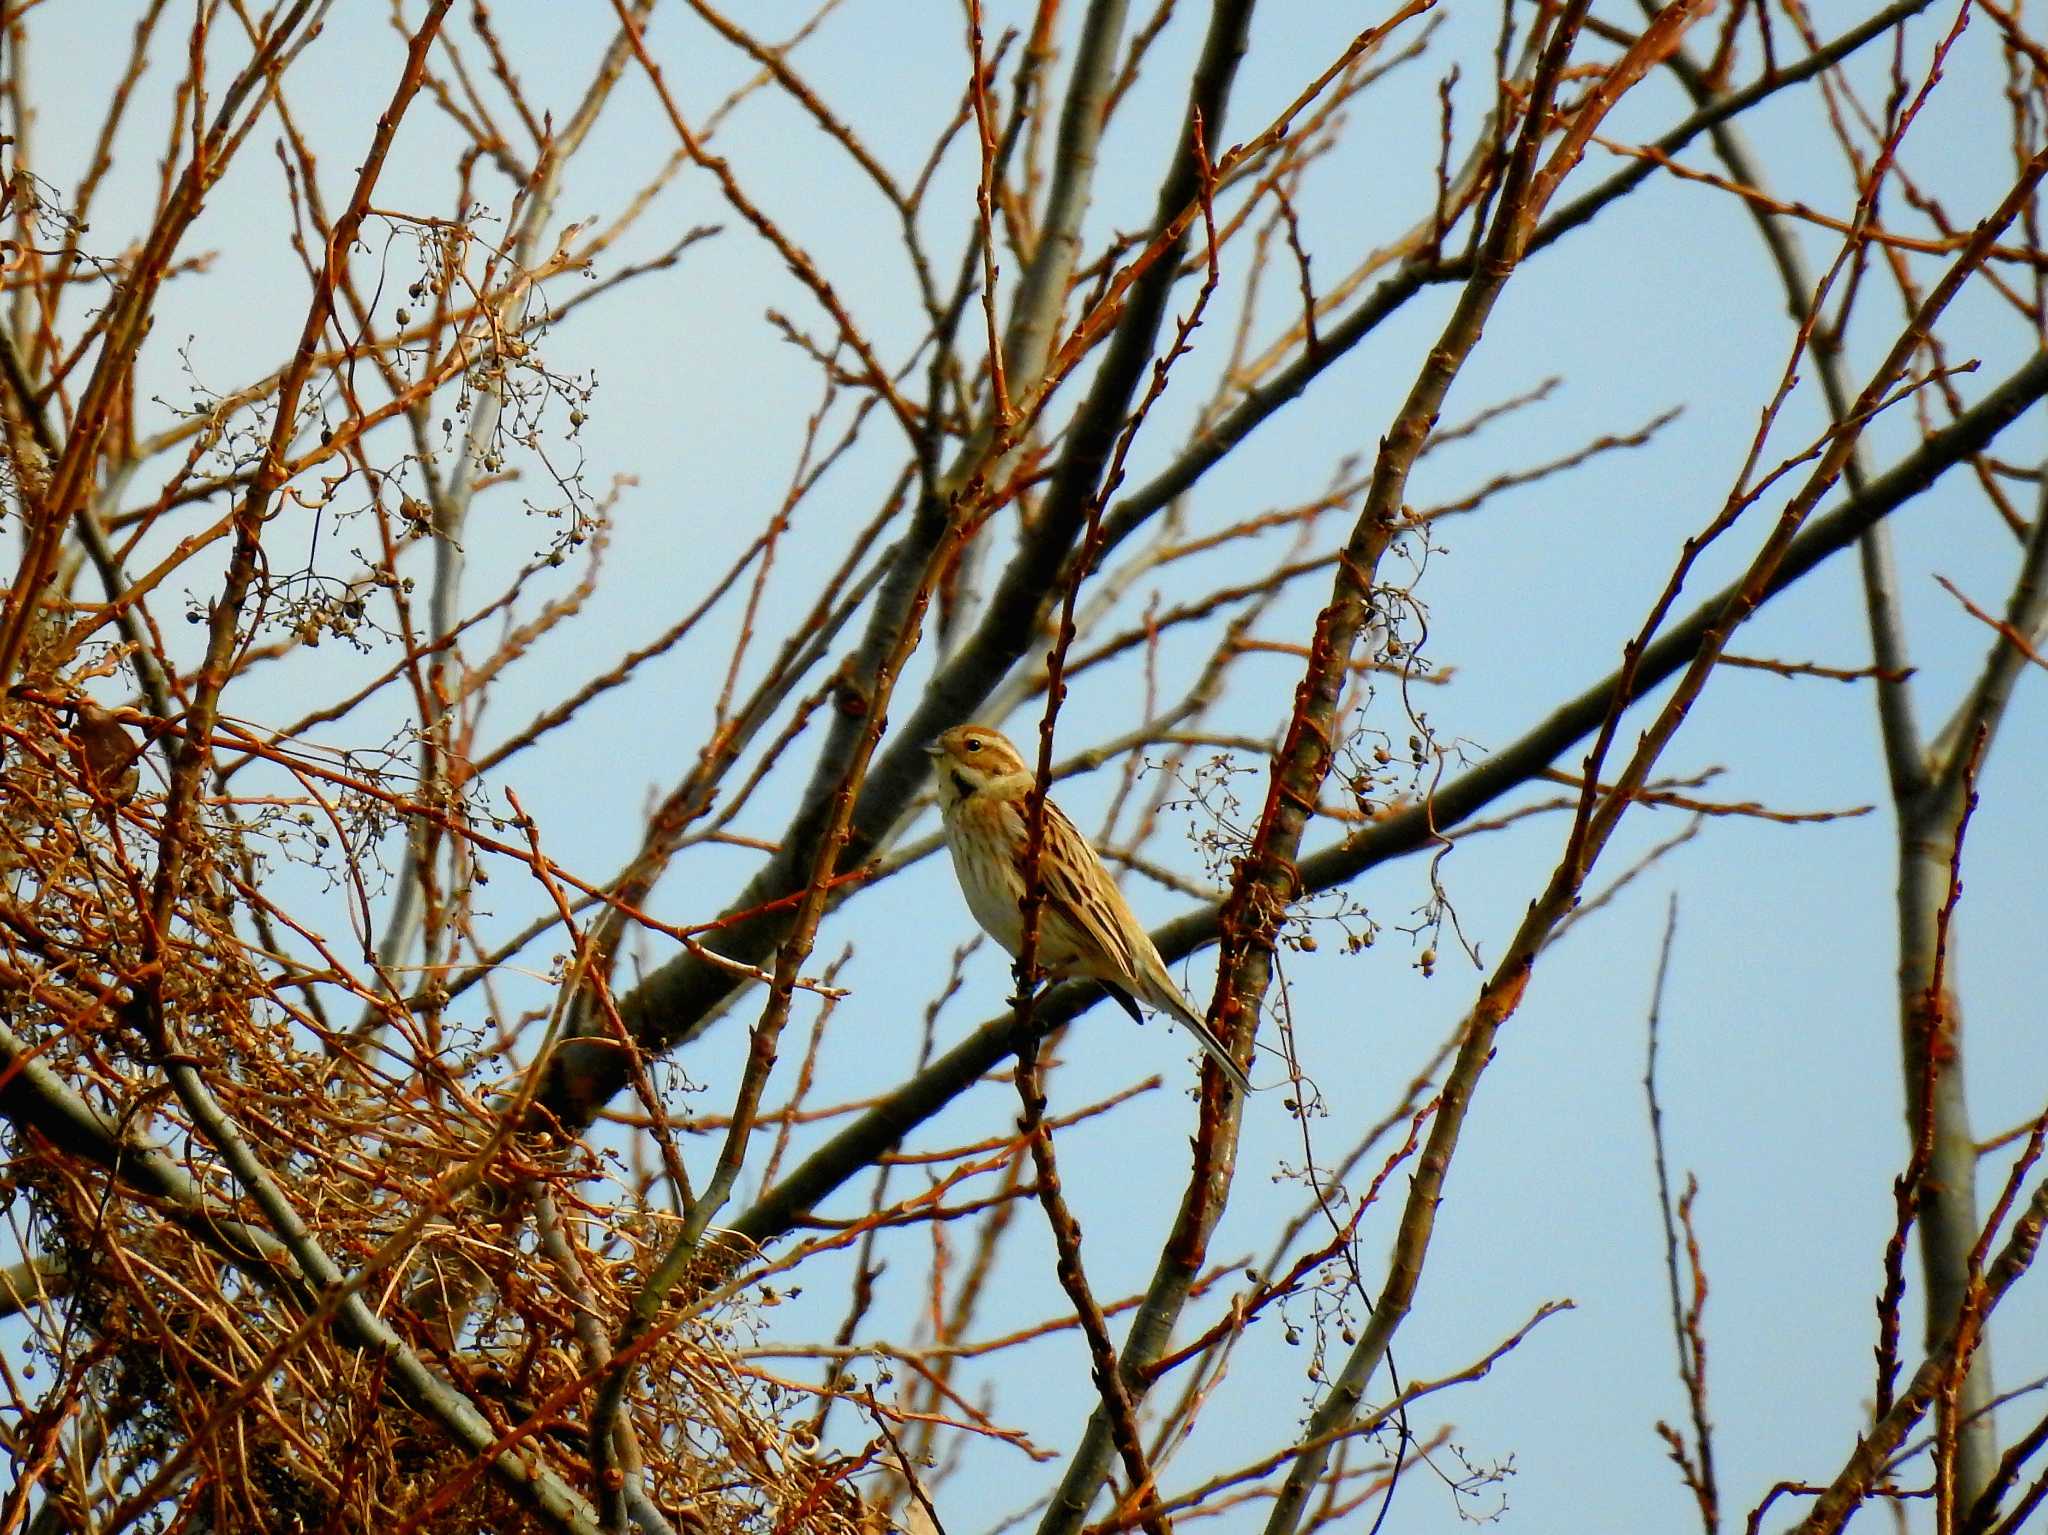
{"x":1029,"y":984}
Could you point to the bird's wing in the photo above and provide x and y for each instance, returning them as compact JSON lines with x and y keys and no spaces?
{"x":1079,"y":891}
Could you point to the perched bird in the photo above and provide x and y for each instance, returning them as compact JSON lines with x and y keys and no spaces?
{"x":1085,"y":928}
{"x":110,"y":754}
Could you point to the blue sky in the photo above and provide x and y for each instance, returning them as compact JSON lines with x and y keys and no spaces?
{"x":1779,"y":1069}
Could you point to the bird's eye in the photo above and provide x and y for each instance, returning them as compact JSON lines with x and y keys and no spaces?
{"x":973,"y":745}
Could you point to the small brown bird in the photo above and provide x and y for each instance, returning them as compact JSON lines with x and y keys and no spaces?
{"x":1085,"y":928}
{"x":110,"y":754}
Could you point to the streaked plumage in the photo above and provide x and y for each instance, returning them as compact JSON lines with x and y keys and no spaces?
{"x":1085,"y":928}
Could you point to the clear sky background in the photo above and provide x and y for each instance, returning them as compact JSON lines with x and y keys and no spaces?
{"x":1780,"y":1078}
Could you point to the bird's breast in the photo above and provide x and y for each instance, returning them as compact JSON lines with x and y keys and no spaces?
{"x":984,"y":859}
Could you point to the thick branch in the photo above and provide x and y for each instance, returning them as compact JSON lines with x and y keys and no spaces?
{"x":680,"y":998}
{"x":1404,"y":832}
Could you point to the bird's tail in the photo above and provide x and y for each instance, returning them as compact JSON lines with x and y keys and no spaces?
{"x":1169,"y":1000}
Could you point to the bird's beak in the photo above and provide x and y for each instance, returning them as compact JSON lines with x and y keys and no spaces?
{"x":933,"y":749}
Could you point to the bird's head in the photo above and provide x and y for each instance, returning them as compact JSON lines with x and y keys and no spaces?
{"x":971,"y":759}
